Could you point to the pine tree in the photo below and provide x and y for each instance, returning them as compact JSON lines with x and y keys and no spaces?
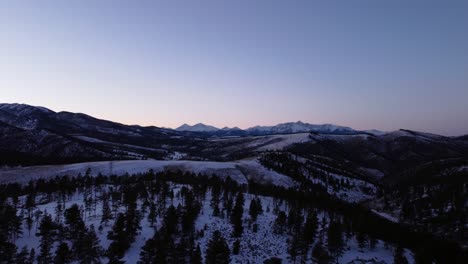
{"x":217,"y":251}
{"x":47,"y":233}
{"x":319,"y":254}
{"x":91,"y":249}
{"x":196,"y":256}
{"x":62,"y":254}
{"x":106,"y":211}
{"x":335,"y":239}
{"x":147,"y":252}
{"x":255,"y":209}
{"x":152,"y":214}
{"x":120,"y":242}
{"x":236,"y":247}
{"x":280,"y":223}
{"x":22,"y":256}
{"x":236,"y":216}
{"x":310,"y":228}
{"x":295,"y":246}
{"x":75,"y":225}
{"x":59,"y":211}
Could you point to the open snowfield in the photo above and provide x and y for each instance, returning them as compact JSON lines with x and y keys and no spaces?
{"x":240,"y":171}
{"x":279,"y":142}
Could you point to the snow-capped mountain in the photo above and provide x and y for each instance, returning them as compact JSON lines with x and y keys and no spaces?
{"x":283,"y":128}
{"x":231,"y":129}
{"x":197,"y":128}
{"x":298,"y":127}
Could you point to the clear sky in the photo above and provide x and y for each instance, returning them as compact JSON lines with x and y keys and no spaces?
{"x":365,"y":64}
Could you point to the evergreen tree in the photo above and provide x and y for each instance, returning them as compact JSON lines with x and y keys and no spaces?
{"x":106,"y":211}
{"x":147,"y":252}
{"x":62,"y":254}
{"x":152,"y":214}
{"x":236,"y":216}
{"x":196,"y":256}
{"x":217,"y":251}
{"x":319,"y":254}
{"x":22,"y":256}
{"x":280,"y":223}
{"x":295,"y":247}
{"x":90,"y":248}
{"x":236,"y":247}
{"x":75,"y":225}
{"x":335,"y":239}
{"x":47,"y":234}
{"x":310,"y":228}
{"x":255,"y":209}
{"x":119,"y":237}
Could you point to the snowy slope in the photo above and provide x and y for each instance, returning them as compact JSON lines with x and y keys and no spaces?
{"x":240,"y":171}
{"x":255,"y":246}
{"x":296,"y":127}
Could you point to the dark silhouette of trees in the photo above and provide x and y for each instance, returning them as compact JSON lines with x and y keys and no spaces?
{"x":63,"y":254}
{"x":236,"y":216}
{"x":217,"y":251}
{"x":335,"y":241}
{"x":47,"y":233}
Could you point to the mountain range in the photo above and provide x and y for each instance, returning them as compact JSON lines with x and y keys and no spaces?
{"x":406,"y":176}
{"x":283,"y":128}
{"x":36,"y":135}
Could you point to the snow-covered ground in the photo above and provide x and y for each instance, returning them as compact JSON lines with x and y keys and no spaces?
{"x":255,"y":246}
{"x":240,"y":171}
{"x":279,"y":142}
{"x":386,"y":216}
{"x":265,"y":143}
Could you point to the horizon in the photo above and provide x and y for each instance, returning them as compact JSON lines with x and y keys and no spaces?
{"x":367,"y":65}
{"x":232,"y":127}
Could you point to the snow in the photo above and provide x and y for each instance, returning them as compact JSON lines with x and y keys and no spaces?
{"x":197,"y":128}
{"x":341,"y":138}
{"x":381,"y":254}
{"x":375,"y":132}
{"x":296,"y":127}
{"x":386,"y":216}
{"x":255,"y":247}
{"x":374,"y":172}
{"x":177,"y":155}
{"x":95,"y":140}
{"x":360,"y":191}
{"x":90,"y":139}
{"x":239,"y":171}
{"x":283,"y":141}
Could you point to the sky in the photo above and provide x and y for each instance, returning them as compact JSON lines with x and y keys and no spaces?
{"x":365,"y":64}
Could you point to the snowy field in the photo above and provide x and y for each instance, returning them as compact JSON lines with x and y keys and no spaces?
{"x":240,"y":171}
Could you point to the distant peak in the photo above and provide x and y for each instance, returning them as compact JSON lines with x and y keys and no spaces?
{"x":199,"y":127}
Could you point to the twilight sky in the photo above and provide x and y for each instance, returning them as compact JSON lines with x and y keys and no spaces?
{"x":365,"y":64}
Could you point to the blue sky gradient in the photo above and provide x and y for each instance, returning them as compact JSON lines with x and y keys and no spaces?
{"x":365,"y":64}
